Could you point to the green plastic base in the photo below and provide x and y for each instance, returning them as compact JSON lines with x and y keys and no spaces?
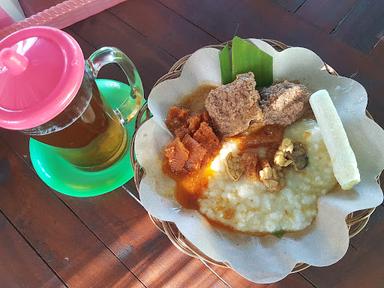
{"x":67,"y":179}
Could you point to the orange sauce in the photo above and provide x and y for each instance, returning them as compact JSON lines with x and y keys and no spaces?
{"x":189,"y":187}
{"x":196,"y":100}
{"x":266,"y":139}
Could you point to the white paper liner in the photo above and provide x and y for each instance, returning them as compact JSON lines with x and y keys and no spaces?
{"x":266,"y":259}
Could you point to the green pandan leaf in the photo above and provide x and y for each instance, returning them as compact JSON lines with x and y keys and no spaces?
{"x":226,"y":65}
{"x":247,"y":57}
{"x":279,"y":234}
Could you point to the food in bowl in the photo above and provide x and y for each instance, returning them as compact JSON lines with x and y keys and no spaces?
{"x":250,"y":160}
{"x":250,"y":205}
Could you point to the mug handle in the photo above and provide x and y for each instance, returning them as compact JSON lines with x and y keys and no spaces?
{"x":107,"y":55}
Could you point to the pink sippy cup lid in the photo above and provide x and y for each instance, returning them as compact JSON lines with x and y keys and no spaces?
{"x":41,"y":70}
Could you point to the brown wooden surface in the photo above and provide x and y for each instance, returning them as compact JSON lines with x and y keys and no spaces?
{"x":30,"y":270}
{"x":51,"y":240}
{"x":326,"y":14}
{"x":363,"y":26}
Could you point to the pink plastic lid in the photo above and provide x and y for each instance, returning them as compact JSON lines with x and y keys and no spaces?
{"x":41,"y":70}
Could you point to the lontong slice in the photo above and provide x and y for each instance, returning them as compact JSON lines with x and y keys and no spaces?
{"x":335,"y":138}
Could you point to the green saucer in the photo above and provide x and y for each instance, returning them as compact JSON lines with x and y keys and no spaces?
{"x":65,"y":178}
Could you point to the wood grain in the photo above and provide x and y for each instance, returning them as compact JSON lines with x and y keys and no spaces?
{"x":361,"y":266}
{"x":325,"y":14}
{"x":370,"y":76}
{"x":104,"y":29}
{"x":290,"y":5}
{"x":377,"y":53}
{"x":363,"y":26}
{"x":345,"y":60}
{"x":166,"y":29}
{"x":125,"y":228}
{"x":20,"y":266}
{"x":56,"y":234}
{"x":261,"y":19}
{"x":31,"y":7}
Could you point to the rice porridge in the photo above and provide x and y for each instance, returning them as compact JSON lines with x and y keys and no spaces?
{"x":247,"y":206}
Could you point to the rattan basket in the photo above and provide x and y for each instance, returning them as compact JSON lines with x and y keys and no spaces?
{"x":356,"y":221}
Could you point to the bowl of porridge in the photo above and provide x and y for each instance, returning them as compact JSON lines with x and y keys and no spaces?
{"x":259,"y":174}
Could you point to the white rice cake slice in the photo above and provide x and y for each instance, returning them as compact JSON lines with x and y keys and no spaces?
{"x":343,"y":158}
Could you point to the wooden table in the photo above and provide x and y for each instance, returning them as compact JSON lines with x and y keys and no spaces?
{"x":51,"y":240}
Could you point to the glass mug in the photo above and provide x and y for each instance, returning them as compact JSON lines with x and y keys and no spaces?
{"x":89,"y":133}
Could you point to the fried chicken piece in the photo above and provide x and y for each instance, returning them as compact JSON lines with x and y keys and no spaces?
{"x":177,"y":155}
{"x":233,"y":106}
{"x":196,"y":153}
{"x":284,"y":103}
{"x":207,"y":138}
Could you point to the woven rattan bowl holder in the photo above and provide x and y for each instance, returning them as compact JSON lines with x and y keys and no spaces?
{"x":356,"y":221}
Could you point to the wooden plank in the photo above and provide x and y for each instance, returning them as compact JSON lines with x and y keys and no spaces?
{"x":165,"y":29}
{"x":371,"y":77}
{"x":31,"y":7}
{"x":364,"y":25}
{"x":125,"y":228}
{"x":259,"y":19}
{"x":112,"y":32}
{"x":362,"y":265}
{"x":111,"y":71}
{"x":325,"y":14}
{"x":57,"y":235}
{"x":291,"y":281}
{"x":20,"y":266}
{"x":220,"y":23}
{"x":87,"y":48}
{"x":377,"y":53}
{"x":290,"y":5}
{"x":149,"y":253}
{"x":152,"y":30}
